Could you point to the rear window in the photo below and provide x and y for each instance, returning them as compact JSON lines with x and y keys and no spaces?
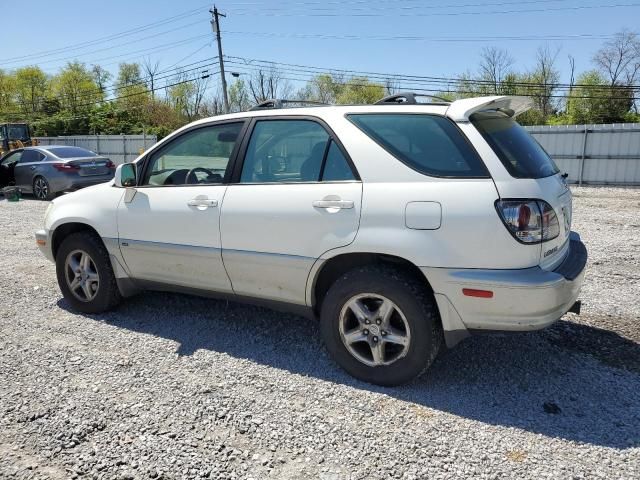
{"x":519,"y":152}
{"x":72,"y":152}
{"x":430,"y":144}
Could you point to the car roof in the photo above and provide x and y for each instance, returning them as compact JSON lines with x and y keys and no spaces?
{"x":328,"y":110}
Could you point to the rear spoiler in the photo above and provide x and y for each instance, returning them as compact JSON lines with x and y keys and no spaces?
{"x":461,"y":110}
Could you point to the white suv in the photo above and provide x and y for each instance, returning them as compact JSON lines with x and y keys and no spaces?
{"x":399,"y":225}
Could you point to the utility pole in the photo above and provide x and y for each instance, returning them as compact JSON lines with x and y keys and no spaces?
{"x":215,"y":25}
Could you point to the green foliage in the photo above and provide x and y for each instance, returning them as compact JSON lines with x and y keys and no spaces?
{"x":75,"y":89}
{"x":599,"y":102}
{"x":359,"y":90}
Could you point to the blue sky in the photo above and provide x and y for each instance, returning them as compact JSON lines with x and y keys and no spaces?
{"x":364,"y":35}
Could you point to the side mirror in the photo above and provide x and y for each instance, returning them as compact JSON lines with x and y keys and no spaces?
{"x":125,"y":175}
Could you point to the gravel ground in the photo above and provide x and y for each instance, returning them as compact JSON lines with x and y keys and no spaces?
{"x":172,"y":386}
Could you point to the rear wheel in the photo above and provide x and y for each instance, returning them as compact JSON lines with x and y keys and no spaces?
{"x":85,"y":275}
{"x":41,"y":189}
{"x":381,"y":325}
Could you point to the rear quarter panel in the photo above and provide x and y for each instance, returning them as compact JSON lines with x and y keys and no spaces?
{"x":471,"y":234}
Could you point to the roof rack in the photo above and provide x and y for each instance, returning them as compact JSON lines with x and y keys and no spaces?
{"x":281,"y":103}
{"x":409,"y":98}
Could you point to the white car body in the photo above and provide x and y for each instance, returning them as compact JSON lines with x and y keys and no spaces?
{"x":271,"y":242}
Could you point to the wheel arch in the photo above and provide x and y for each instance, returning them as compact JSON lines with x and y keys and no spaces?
{"x":65,"y":229}
{"x":333,"y":268}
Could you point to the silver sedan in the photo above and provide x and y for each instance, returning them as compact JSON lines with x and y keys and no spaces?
{"x":48,"y":170}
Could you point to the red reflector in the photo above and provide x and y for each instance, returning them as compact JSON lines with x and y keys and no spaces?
{"x":472,"y":292}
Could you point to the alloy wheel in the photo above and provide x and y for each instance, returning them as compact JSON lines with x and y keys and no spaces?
{"x":81,"y":275}
{"x":41,"y":188}
{"x":374,"y":330}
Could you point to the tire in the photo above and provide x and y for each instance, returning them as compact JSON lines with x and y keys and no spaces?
{"x":414,"y":313}
{"x":41,"y":189}
{"x":99,"y":291}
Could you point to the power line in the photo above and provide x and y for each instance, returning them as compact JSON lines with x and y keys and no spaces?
{"x":297,"y":77}
{"x":368,"y":3}
{"x":165,"y":46}
{"x":456,"y":39}
{"x":262,"y":13}
{"x":111,"y":47}
{"x":109,"y":37}
{"x":392,"y":76}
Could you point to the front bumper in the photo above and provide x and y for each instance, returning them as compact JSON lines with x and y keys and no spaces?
{"x":43,"y":240}
{"x":523,"y":300}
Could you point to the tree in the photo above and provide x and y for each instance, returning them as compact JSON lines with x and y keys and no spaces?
{"x":322,"y":88}
{"x":75,"y":89}
{"x":151,"y":69}
{"x":266,"y":84}
{"x":619,"y":58}
{"x":495,"y":65}
{"x":128,"y":75}
{"x":544,"y":79}
{"x":31,"y":86}
{"x":360,"y":90}
{"x":593,"y":100}
{"x":7,"y":92}
{"x":238,"y":96}
{"x":101,"y":77}
{"x":132,"y":94}
{"x":186,"y":95}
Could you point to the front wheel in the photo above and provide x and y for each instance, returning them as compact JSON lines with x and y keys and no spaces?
{"x":85,"y":275}
{"x":381,"y":325}
{"x":42,"y":190}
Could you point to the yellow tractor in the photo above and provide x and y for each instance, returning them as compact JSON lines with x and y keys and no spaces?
{"x":15,"y":135}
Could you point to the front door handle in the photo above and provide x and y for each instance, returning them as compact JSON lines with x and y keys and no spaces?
{"x":333,"y":203}
{"x":202,"y":203}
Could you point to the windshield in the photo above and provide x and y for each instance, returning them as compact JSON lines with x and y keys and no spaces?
{"x":519,"y":152}
{"x":18,"y":132}
{"x":71,"y":152}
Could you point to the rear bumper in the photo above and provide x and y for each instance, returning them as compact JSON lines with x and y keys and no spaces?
{"x":523,"y":300}
{"x":71,"y":183}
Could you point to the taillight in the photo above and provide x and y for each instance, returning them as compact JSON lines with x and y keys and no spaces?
{"x":529,"y":221}
{"x":65,"y":167}
{"x":110,"y":164}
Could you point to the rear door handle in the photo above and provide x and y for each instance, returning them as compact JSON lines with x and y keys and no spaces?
{"x":202,"y":203}
{"x":333,"y":203}
{"x":33,"y":167}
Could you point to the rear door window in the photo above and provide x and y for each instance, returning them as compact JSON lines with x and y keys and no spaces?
{"x":290,"y":151}
{"x":31,"y":156}
{"x":430,"y":144}
{"x":518,"y":151}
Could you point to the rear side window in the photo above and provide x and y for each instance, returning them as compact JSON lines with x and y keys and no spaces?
{"x":430,"y":144}
{"x":518,"y":151}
